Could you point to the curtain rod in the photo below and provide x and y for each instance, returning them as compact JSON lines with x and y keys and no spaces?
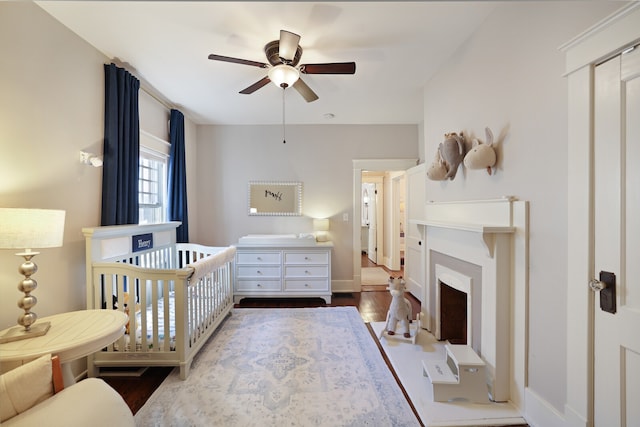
{"x":164,"y":103}
{"x":145,"y":85}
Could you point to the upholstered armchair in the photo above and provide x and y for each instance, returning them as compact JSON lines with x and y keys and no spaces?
{"x":33,"y":395}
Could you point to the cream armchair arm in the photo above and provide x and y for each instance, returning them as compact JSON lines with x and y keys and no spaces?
{"x":90,"y":402}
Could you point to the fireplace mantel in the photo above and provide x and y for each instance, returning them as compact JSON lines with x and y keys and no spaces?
{"x":493,"y":235}
{"x":486,"y":232}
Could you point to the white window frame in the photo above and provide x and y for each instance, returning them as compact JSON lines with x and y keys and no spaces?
{"x":156,"y":150}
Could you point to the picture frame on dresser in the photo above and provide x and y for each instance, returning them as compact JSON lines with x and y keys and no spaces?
{"x":274,"y":198}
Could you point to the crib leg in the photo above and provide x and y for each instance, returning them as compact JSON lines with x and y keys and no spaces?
{"x":185,"y":368}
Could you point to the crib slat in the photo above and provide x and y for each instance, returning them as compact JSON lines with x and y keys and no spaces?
{"x":199,"y":306}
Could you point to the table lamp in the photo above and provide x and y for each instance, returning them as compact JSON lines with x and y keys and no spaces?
{"x":321,"y":226}
{"x":27,"y":229}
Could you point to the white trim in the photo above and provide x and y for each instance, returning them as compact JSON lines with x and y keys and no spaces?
{"x":605,"y":39}
{"x":611,"y":35}
{"x":154,"y":144}
{"x":153,"y":154}
{"x":360,"y":165}
{"x":461,"y":283}
{"x":541,"y":413}
{"x":505,"y":263}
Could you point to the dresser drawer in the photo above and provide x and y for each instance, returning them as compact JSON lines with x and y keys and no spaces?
{"x":312,"y":285}
{"x":306,"y":258}
{"x":320,"y":271}
{"x":266,"y":271}
{"x":258,"y":286}
{"x":258,"y":258}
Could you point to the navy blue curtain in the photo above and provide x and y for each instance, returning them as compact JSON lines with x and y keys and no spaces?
{"x":121,"y":147}
{"x":177,"y":187}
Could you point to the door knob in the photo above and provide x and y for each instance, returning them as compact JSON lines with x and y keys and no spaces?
{"x":597,"y":285}
{"x":606,"y":286}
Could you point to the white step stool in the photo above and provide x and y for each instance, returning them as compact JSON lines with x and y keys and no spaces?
{"x":460,"y":376}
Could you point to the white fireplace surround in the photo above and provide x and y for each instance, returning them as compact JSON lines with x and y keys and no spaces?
{"x":491,"y":234}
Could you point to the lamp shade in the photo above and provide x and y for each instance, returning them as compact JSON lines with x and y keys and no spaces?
{"x":321,"y":224}
{"x":31,"y":228}
{"x":283,"y":75}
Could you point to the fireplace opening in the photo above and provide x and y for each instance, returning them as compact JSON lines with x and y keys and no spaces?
{"x":453,"y":314}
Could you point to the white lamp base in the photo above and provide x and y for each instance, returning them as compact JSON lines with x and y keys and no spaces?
{"x":18,"y":333}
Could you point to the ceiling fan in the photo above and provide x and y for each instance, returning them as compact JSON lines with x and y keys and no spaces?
{"x":283,"y":69}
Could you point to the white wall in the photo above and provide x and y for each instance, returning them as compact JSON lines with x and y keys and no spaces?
{"x":508,"y":76}
{"x":320,"y":156}
{"x":51,"y":107}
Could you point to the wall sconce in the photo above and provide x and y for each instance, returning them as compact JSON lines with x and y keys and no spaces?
{"x":90,"y":159}
{"x":321,"y":226}
{"x":26,"y":229}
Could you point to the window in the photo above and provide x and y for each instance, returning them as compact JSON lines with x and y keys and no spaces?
{"x":152,"y":179}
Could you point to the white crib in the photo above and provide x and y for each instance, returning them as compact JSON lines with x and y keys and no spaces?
{"x":178,"y":294}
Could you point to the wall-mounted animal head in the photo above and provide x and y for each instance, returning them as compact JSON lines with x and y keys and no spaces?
{"x":481,"y":156}
{"x":438,"y":170}
{"x":452,"y":152}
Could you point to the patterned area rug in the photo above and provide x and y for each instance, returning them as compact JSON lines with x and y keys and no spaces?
{"x":284,"y":367}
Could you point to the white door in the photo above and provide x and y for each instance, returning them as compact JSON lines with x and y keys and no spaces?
{"x":395,"y":218}
{"x":617,"y":241}
{"x":413,"y":237}
{"x":372,"y":251}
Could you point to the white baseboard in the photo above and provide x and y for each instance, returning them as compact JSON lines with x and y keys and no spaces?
{"x":540,"y":413}
{"x":342,"y":286}
{"x":414,"y":289}
{"x":573,"y":418}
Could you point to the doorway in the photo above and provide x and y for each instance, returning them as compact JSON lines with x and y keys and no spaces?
{"x":586,"y":321}
{"x":380,"y":166}
{"x":616,"y":209}
{"x":372,"y":226}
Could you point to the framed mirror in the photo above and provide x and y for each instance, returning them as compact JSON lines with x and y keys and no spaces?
{"x":275,"y":198}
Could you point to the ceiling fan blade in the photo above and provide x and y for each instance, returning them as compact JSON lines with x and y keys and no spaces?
{"x":288,"y":45}
{"x":237,"y":61}
{"x":257,"y":85}
{"x":305,"y":91}
{"x":330,"y":68}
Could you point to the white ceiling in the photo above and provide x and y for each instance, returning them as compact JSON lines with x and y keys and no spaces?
{"x":396,"y":46}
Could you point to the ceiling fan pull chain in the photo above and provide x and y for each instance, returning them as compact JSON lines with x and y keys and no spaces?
{"x":284,"y":134}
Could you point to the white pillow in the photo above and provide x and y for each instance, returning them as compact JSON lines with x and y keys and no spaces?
{"x":25,"y":386}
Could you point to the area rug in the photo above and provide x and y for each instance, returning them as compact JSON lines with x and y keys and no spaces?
{"x":284,"y":367}
{"x":374,"y":276}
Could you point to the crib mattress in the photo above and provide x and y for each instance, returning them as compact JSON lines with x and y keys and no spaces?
{"x":150,"y":326}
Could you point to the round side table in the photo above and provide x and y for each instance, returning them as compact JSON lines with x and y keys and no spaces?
{"x":72,"y":335}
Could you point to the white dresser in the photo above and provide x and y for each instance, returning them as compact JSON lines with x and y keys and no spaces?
{"x":298,"y":269}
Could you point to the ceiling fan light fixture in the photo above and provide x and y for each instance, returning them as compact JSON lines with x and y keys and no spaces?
{"x":283,"y":75}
